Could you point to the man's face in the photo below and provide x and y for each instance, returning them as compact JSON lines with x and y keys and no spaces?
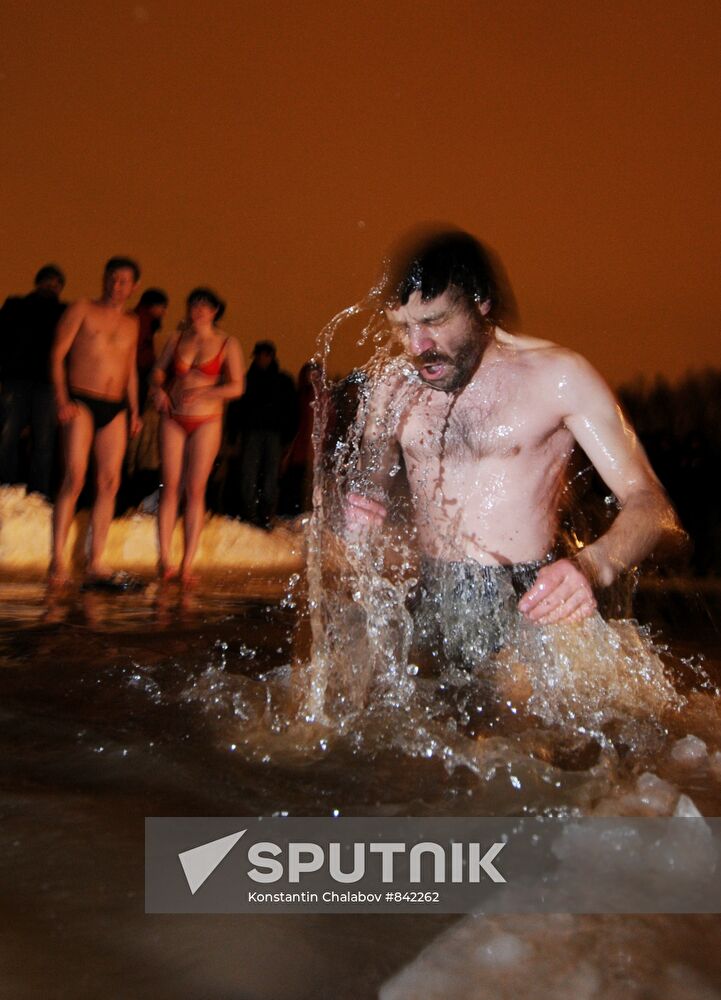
{"x":119,"y":285}
{"x":442,"y":337}
{"x":263,"y":359}
{"x":51,"y":287}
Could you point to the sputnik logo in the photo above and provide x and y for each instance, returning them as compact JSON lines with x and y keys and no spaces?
{"x":199,"y":863}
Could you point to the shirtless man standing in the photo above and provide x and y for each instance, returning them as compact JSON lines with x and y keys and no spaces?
{"x":95,"y":392}
{"x":486,"y":422}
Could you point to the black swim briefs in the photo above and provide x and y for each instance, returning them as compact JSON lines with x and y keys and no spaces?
{"x":101,"y":410}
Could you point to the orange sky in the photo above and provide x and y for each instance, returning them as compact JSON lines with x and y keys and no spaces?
{"x":274,"y":150}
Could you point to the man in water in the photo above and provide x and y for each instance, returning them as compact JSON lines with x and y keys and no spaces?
{"x":96,"y":394}
{"x":485,"y":422}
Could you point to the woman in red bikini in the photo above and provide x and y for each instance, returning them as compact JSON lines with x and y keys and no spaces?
{"x":199,"y":369}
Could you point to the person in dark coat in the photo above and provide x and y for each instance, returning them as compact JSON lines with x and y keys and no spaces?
{"x":27,"y":328}
{"x":296,"y":484}
{"x":268,"y":417}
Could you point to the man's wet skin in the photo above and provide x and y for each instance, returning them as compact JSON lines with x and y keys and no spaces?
{"x":486,"y":428}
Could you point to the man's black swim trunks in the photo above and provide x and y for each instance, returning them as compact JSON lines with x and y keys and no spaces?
{"x":464,"y":612}
{"x":101,"y":410}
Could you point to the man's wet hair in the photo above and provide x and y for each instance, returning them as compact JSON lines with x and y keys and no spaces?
{"x":49,"y":272}
{"x":440,"y":260}
{"x":122,"y":263}
{"x":203,"y":294}
{"x":153,"y":297}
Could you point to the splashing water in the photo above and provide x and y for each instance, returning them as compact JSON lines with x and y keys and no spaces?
{"x":360,"y":627}
{"x":440,"y":648}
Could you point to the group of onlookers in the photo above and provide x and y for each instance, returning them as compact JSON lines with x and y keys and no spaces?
{"x":158,"y":425}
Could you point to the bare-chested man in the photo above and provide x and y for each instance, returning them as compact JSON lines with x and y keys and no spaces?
{"x":96,"y":390}
{"x":486,"y":422}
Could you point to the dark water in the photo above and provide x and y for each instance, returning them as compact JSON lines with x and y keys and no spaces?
{"x":90,"y":746}
{"x":116,"y":708}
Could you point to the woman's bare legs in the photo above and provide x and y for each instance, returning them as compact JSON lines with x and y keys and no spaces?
{"x":172,"y":451}
{"x":202,"y":449}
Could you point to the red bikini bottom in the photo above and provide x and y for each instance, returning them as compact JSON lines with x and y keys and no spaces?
{"x":190,"y":424}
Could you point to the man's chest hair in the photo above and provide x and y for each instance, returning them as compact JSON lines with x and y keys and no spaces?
{"x":475,"y":425}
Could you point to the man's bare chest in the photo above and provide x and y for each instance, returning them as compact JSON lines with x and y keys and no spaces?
{"x":99,"y":337}
{"x":474,"y":428}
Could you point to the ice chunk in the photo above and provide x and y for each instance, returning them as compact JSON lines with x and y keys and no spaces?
{"x":689,"y":751}
{"x":686,"y":808}
{"x":504,"y":949}
{"x":656,"y":794}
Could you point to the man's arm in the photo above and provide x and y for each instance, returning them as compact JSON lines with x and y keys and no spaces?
{"x":645,"y":519}
{"x":65,"y":334}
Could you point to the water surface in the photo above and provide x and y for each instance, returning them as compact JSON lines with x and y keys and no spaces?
{"x":118,"y":707}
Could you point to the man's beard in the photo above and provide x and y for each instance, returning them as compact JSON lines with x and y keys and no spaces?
{"x":459,"y":366}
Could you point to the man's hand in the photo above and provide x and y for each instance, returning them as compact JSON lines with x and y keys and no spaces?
{"x":67,"y":412}
{"x":362,"y":512}
{"x":136,"y":424}
{"x":561,"y":593}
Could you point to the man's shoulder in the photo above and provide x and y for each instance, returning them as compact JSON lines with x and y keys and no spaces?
{"x":545,"y":356}
{"x":521,"y":341}
{"x":82,"y":305}
{"x":574,"y":381}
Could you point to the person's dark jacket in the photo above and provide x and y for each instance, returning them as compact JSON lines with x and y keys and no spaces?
{"x":27,"y":330}
{"x":270,"y":402}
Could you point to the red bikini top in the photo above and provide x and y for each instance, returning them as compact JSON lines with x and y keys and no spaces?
{"x":211,"y":367}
